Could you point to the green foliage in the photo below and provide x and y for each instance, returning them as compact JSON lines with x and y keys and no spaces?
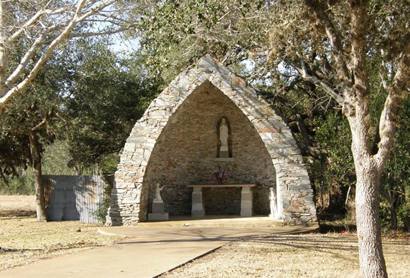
{"x":55,"y":159}
{"x":404,"y":214}
{"x":102,"y":209}
{"x":18,"y":185}
{"x":90,"y":98}
{"x":108,"y":164}
{"x":109,"y":94}
{"x":35,"y":113}
{"x":176,"y":33}
{"x":332,"y":172}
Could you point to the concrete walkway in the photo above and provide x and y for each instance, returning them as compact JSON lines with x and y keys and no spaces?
{"x":151,"y":248}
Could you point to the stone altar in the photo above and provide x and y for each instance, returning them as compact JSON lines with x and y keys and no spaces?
{"x":246,"y":198}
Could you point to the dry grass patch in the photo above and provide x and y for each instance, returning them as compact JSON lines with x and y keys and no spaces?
{"x":312,"y":255}
{"x":17,"y":205}
{"x":23,"y":240}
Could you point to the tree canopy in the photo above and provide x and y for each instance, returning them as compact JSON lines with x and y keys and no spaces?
{"x":107,"y":96}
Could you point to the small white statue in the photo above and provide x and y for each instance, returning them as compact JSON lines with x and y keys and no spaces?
{"x":158,"y":207}
{"x":157,"y":197}
{"x":223,"y":136}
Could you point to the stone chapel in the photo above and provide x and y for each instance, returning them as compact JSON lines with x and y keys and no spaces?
{"x":211,"y":146}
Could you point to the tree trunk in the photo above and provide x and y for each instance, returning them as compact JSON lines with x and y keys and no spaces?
{"x":372,"y":262}
{"x":36,"y":164}
{"x":367,"y":198}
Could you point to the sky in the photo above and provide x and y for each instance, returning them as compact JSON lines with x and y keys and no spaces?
{"x":124,"y":46}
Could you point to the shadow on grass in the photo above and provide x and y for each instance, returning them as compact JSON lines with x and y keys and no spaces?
{"x":19,"y":250}
{"x":340,"y":248}
{"x":17,"y":213}
{"x":49,"y":249}
{"x":336,"y":228}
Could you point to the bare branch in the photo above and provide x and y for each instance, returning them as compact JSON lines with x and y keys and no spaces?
{"x":313,"y":79}
{"x":3,"y":50}
{"x":384,"y":74}
{"x":398,"y":91}
{"x":358,"y":53}
{"x":39,"y":125}
{"x":32,"y":21}
{"x":319,"y":9}
{"x":101,"y":33}
{"x":95,"y":9}
{"x":83,"y":10}
{"x":25,"y":60}
{"x":46,"y":55}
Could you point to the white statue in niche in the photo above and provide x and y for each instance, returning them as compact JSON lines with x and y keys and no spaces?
{"x":158,"y":198}
{"x":224,"y":138}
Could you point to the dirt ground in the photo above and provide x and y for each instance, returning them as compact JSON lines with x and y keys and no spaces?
{"x":23,"y":240}
{"x":311,"y":255}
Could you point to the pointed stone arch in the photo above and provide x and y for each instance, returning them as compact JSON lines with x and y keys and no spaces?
{"x":294,"y":196}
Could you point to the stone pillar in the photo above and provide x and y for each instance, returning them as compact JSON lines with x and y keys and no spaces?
{"x":197,"y":204}
{"x":279,"y":197}
{"x":273,"y":204}
{"x":246,"y":202}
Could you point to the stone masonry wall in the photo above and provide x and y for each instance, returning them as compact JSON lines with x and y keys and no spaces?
{"x":186,"y":151}
{"x":130,"y":194}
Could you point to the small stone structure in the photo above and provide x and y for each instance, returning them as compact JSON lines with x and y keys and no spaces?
{"x":210,"y":127}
